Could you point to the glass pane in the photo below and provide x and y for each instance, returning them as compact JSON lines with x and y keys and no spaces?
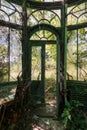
{"x":44,"y":16}
{"x":10,"y":12}
{"x":4,"y":56}
{"x":36,"y":63}
{"x":72,"y":55}
{"x":15,"y":54}
{"x":82,"y":54}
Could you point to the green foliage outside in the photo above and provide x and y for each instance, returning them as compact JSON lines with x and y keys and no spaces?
{"x":3,"y":64}
{"x":73,"y":116}
{"x":77,"y":54}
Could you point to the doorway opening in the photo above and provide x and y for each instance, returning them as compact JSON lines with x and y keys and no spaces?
{"x":44,"y":73}
{"x":50,"y":75}
{"x":44,"y":67}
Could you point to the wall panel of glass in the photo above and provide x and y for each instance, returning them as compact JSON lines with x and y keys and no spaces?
{"x":10,"y":41}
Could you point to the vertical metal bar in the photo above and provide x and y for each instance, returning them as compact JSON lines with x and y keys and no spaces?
{"x":8,"y":54}
{"x":43,"y":71}
{"x":65,"y":50}
{"x":77,"y":54}
{"x":64,"y":40}
{"x":57,"y":75}
{"x":24,"y":41}
{"x":29,"y":59}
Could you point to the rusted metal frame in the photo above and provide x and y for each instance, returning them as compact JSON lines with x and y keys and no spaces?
{"x":34,"y":17}
{"x":64,"y":39}
{"x":39,"y":5}
{"x":29,"y":59}
{"x":43,"y":71}
{"x":69,"y":27}
{"x":3,"y":23}
{"x":83,"y":14}
{"x":57,"y":75}
{"x":43,"y":19}
{"x":44,"y":38}
{"x":43,"y":10}
{"x":71,"y":11}
{"x":31,"y":14}
{"x":44,"y":41}
{"x":38,"y":43}
{"x":7,"y":7}
{"x":74,"y":15}
{"x":79,"y":10}
{"x":56,"y":15}
{"x":24,"y":43}
{"x":52,"y":18}
{"x":44,"y":5}
{"x":15,"y":9}
{"x":79,"y":16}
{"x":37,"y":35}
{"x":11,"y":13}
{"x":74,"y":2}
{"x":4,"y":12}
{"x":9,"y":54}
{"x":77,"y":26}
{"x":19,"y":27}
{"x":11,"y":25}
{"x":8,"y":24}
{"x":57,"y":34}
{"x":77,"y":61}
{"x":49,"y":36}
{"x":47,"y":5}
{"x":18,"y":2}
{"x":32,"y":30}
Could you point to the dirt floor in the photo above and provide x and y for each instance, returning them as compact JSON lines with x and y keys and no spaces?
{"x":32,"y":117}
{"x":18,"y":114}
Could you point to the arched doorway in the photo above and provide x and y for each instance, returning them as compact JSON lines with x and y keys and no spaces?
{"x":44,"y":64}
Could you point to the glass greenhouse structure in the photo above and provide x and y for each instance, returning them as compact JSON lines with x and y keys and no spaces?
{"x":45,"y":42}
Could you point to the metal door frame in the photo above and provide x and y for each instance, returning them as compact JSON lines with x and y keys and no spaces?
{"x":42,"y":43}
{"x":38,"y":43}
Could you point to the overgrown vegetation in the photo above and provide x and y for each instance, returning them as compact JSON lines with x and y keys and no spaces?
{"x":73,"y":116}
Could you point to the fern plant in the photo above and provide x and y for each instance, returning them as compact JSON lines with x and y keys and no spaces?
{"x":73,"y":116}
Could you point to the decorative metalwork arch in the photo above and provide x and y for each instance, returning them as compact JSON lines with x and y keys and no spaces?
{"x":38,"y":27}
{"x":44,"y":15}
